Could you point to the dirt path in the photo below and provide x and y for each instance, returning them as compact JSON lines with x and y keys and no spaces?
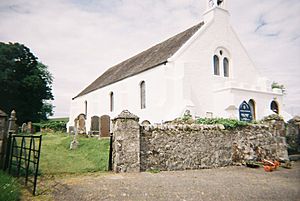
{"x":232,"y":183}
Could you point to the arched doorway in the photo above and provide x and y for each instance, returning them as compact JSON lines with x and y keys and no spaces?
{"x":252,"y":105}
{"x":275,"y":107}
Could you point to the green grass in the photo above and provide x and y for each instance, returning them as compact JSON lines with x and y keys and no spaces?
{"x":9,"y":188}
{"x":57,"y":158}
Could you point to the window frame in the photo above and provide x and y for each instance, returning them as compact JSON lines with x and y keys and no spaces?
{"x":143,"y":94}
{"x":111,"y":101}
{"x":216,"y":65}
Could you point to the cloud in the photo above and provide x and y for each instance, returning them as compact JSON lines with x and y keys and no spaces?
{"x":79,"y":40}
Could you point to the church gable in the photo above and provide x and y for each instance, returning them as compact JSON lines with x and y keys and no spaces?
{"x":153,"y":57}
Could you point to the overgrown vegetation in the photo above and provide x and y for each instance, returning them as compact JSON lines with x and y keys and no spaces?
{"x":227,"y":123}
{"x":9,"y":188}
{"x":57,"y":158}
{"x":54,"y":126}
{"x":276,"y":85}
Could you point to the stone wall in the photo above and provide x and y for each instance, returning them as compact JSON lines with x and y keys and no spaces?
{"x":293,"y":135}
{"x":192,"y":146}
{"x":181,"y":147}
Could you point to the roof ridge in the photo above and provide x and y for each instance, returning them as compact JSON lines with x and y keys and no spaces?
{"x":145,"y":60}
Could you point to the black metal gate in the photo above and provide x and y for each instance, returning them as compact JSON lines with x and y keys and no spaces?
{"x":23,"y":156}
{"x":110,"y":152}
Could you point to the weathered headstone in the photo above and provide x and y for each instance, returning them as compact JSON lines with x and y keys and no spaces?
{"x":95,"y":125}
{"x":29,"y":127}
{"x":81,"y":129}
{"x":71,"y":129}
{"x":145,"y":123}
{"x":12,"y":126}
{"x":104,"y":126}
{"x":24,"y":128}
{"x":74,"y":143}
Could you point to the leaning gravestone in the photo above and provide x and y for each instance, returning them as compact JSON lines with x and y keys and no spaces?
{"x":81,"y":124}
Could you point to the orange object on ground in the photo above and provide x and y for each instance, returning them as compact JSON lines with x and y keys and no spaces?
{"x":268,"y":168}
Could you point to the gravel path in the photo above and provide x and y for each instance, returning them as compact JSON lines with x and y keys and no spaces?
{"x":231,"y":183}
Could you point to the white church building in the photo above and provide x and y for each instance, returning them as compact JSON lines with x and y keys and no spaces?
{"x":204,"y":70}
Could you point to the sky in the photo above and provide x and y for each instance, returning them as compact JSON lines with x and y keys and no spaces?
{"x":79,"y":39}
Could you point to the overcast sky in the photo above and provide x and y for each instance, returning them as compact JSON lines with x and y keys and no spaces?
{"x":79,"y":39}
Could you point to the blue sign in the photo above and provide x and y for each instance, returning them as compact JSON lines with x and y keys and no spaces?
{"x":245,"y":112}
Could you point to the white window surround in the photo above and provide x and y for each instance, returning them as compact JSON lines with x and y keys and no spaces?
{"x":222,"y":53}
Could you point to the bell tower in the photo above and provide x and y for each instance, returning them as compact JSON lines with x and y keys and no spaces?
{"x":216,"y":9}
{"x":216,"y":3}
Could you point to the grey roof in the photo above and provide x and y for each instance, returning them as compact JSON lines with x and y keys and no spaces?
{"x":143,"y":61}
{"x":2,"y":114}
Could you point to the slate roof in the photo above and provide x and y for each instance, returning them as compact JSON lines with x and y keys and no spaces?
{"x":143,"y":61}
{"x":2,"y":114}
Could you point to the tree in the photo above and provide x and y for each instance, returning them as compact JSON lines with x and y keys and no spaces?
{"x":25,"y":83}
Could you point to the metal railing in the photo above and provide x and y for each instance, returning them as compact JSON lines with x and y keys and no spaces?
{"x":23,"y":156}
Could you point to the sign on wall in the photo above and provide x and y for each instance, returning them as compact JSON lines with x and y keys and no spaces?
{"x":245,"y":112}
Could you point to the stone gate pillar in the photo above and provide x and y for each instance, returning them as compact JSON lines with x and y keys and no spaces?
{"x":293,"y":135}
{"x":126,"y":143}
{"x":3,"y":136}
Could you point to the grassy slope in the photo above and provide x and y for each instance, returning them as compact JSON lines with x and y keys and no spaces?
{"x":9,"y":188}
{"x":57,"y":158}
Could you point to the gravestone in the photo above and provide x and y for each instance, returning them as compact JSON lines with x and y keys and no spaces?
{"x":81,"y":124}
{"x":12,"y":126}
{"x":95,"y":125}
{"x":105,"y":126}
{"x":245,"y":112}
{"x":145,"y":123}
{"x":29,"y":127}
{"x":71,"y":129}
{"x":24,"y":128}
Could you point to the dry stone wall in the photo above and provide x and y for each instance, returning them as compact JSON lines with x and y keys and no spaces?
{"x":181,"y":147}
{"x":192,"y":146}
{"x":293,"y":135}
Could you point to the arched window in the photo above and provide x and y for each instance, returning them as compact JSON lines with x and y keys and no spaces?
{"x":275,"y":107}
{"x":85,"y":108}
{"x":226,"y":67}
{"x":111,"y":97}
{"x":216,"y":65}
{"x":143,"y":95}
{"x":252,"y":107}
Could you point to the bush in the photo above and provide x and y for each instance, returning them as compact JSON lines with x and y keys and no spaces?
{"x":56,"y":126}
{"x":9,"y":188}
{"x":227,"y":123}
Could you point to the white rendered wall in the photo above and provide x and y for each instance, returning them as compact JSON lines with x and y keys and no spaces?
{"x":211,"y":93}
{"x":187,"y":81}
{"x":163,"y":97}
